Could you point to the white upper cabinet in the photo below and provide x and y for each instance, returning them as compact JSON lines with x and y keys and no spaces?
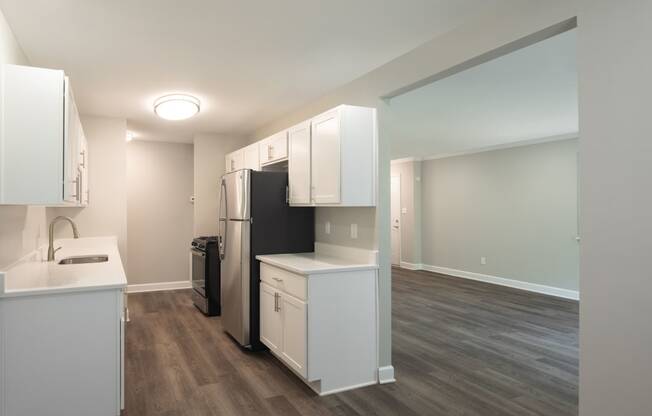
{"x":84,"y":186}
{"x":235,"y":161}
{"x":325,"y":160}
{"x":41,"y":137}
{"x":273,"y":149}
{"x":331,"y":159}
{"x":299,"y":163}
{"x":251,"y":159}
{"x":343,"y":157}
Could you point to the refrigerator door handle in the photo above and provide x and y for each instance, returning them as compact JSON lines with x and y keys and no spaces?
{"x":222,"y":237}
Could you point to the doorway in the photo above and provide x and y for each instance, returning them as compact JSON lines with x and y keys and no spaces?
{"x":396,"y":220}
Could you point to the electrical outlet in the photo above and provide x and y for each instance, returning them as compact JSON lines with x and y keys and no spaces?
{"x":354,"y":231}
{"x":483,"y":260}
{"x":403,"y":210}
{"x":327,"y":227}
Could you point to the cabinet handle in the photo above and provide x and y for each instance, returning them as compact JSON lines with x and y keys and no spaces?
{"x":277,"y":279}
{"x":275,"y":302}
{"x":83,"y":155}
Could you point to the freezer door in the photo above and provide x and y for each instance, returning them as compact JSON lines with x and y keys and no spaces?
{"x":236,"y":281}
{"x":237,"y":195}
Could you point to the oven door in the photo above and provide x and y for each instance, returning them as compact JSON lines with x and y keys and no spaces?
{"x":199,"y":271}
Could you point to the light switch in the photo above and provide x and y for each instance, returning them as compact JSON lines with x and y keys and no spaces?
{"x":354,"y":231}
{"x":483,"y":260}
{"x":327,"y":227}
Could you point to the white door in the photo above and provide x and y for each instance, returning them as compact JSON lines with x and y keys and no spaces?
{"x":251,"y":160}
{"x":326,"y":158}
{"x":396,"y":219}
{"x":295,"y":334}
{"x":271,"y":323}
{"x":299,"y":164}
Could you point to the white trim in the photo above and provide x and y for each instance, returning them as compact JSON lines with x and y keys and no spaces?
{"x":155,"y":287}
{"x":341,"y":389}
{"x":520,"y":143}
{"x":411,"y":266}
{"x":501,"y":281}
{"x":386,"y":375}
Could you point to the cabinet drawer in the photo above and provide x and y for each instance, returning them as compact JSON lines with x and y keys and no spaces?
{"x":290,"y":283}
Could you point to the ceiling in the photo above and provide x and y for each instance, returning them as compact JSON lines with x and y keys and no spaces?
{"x":524,"y":96}
{"x":249,"y":62}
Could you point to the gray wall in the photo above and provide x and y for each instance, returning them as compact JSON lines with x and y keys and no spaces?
{"x":209,"y":152}
{"x":411,"y":194}
{"x":616,"y":207}
{"x":106,"y":213}
{"x":159,"y":212}
{"x":517,"y":207}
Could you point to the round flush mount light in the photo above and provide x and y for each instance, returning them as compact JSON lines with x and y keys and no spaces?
{"x":176,"y":106}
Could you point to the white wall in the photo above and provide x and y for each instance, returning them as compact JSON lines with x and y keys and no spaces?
{"x":209,"y":150}
{"x":159,"y":212}
{"x":22,"y":229}
{"x":106,"y":213}
{"x":516,"y":207}
{"x":616,"y":207}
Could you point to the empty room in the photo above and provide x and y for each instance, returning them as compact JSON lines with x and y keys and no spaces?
{"x":485,"y":240}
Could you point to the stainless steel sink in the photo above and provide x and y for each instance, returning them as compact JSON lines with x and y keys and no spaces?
{"x":96,"y":258}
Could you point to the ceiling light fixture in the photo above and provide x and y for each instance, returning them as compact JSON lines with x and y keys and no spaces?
{"x":176,"y":106}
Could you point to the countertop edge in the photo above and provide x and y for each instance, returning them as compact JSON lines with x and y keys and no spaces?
{"x":60,"y":290}
{"x":349,"y":268}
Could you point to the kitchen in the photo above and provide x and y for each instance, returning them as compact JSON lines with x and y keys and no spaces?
{"x":277,"y":284}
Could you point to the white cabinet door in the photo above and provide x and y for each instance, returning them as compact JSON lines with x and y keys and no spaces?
{"x":251,"y":160}
{"x":273,"y":148}
{"x":326,"y":158}
{"x":294,"y":344}
{"x":299,"y":163}
{"x":31,"y":136}
{"x":235,"y":161}
{"x":83,"y":164}
{"x":270,"y":318}
{"x":72,"y":145}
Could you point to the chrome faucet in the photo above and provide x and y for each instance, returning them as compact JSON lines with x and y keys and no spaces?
{"x":75,"y":233}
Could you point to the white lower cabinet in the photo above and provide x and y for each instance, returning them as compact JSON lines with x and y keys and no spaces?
{"x":295,"y":334}
{"x":321,"y":325}
{"x":62,"y":354}
{"x":271,"y":321}
{"x":283,"y":322}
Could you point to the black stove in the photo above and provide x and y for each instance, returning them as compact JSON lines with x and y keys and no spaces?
{"x":206,"y":275}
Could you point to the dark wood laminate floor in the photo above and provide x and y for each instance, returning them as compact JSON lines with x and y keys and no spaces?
{"x":459,"y":348}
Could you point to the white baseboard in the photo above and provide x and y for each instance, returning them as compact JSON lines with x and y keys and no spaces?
{"x":517,"y":284}
{"x":411,"y":266}
{"x":386,"y":375}
{"x":155,"y":287}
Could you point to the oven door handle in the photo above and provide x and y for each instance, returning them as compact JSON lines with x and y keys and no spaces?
{"x":196,"y":252}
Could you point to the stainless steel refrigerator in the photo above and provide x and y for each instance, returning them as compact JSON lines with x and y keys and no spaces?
{"x":255,"y":218}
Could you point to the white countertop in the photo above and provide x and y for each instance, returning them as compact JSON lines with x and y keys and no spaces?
{"x":315,"y":263}
{"x":32,"y":275}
